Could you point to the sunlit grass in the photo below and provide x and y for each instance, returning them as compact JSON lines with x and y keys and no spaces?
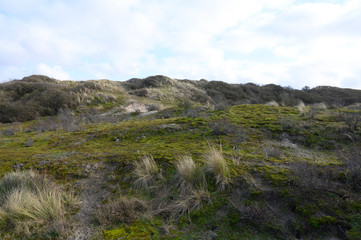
{"x":189,"y":174}
{"x":217,"y":165}
{"x":146,"y":172}
{"x":30,"y":203}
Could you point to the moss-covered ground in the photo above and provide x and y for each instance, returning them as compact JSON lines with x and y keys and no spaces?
{"x":290,"y":175}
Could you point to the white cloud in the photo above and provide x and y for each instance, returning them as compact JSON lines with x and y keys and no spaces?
{"x":286,"y":42}
{"x":53,"y":71}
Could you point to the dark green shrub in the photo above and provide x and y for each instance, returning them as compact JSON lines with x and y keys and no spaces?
{"x":9,"y":132}
{"x":352,"y":160}
{"x":33,"y":97}
{"x":16,"y":112}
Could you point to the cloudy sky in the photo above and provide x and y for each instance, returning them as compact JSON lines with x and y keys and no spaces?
{"x":286,"y":42}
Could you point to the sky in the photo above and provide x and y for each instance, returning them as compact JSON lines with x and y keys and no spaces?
{"x":284,"y":42}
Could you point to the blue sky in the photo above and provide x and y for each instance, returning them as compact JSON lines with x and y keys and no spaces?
{"x":285,"y":42}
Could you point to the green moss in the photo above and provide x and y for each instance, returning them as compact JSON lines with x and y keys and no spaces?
{"x":354,"y":206}
{"x":65,"y":155}
{"x":318,"y":221}
{"x":277,"y":175}
{"x":306,"y":210}
{"x":257,"y":116}
{"x":138,"y":230}
{"x":354,"y":233}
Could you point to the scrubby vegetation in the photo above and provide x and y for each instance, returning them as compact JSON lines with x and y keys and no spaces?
{"x":32,"y":206}
{"x":37,"y":95}
{"x":160,"y":158}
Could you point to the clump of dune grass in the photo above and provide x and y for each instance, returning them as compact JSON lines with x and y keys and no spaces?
{"x":189,"y":174}
{"x":217,"y":165}
{"x":301,"y":107}
{"x":272,"y":103}
{"x":186,"y":203}
{"x":18,"y":180}
{"x":30,"y":203}
{"x":146,"y":172}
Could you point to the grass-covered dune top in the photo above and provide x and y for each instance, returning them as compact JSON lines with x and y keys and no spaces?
{"x":37,"y":95}
{"x":150,"y":165}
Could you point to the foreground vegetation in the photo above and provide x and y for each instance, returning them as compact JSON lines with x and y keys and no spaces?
{"x":34,"y":207}
{"x":182,"y":170}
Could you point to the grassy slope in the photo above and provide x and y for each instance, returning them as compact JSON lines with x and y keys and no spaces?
{"x":262,"y":145}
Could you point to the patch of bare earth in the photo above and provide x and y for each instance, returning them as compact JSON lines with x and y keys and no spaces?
{"x":93,"y":192}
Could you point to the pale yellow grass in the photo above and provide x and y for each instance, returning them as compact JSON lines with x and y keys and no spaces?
{"x":146,"y":172}
{"x":217,"y":165}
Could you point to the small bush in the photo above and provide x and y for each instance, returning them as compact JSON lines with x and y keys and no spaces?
{"x":271,"y":151}
{"x":254,"y":212}
{"x":310,"y":177}
{"x":222,"y":127}
{"x":68,"y":121}
{"x":217,"y":165}
{"x":153,"y":107}
{"x":9,"y":132}
{"x":29,"y":142}
{"x":239,"y":137}
{"x":195,"y":112}
{"x":352,"y":160}
{"x":16,"y":112}
{"x":185,"y":204}
{"x":65,"y":120}
{"x":352,"y":118}
{"x":123,"y":210}
{"x":316,"y":109}
{"x":29,"y":100}
{"x":272,"y":103}
{"x":146,"y":172}
{"x":47,"y":124}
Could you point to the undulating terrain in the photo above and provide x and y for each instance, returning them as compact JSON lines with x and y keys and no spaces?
{"x":160,"y":158}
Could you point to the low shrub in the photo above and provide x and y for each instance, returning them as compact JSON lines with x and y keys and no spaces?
{"x":122,"y":210}
{"x":47,"y":124}
{"x":239,"y":137}
{"x":9,"y":132}
{"x":187,"y":203}
{"x":17,"y":112}
{"x":29,"y":142}
{"x":184,"y":204}
{"x":222,"y":127}
{"x":352,"y":159}
{"x":310,"y":177}
{"x":271,"y":151}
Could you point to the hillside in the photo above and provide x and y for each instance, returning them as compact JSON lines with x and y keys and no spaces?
{"x":36,"y":96}
{"x":160,"y":158}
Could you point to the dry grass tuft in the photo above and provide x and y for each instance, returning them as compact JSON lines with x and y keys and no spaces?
{"x":189,"y":174}
{"x":31,"y":204}
{"x":187,"y":203}
{"x":146,"y":172}
{"x":16,"y":180}
{"x":217,"y":165}
{"x":272,"y":103}
{"x":301,"y":107}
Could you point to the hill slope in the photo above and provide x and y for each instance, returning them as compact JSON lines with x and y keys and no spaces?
{"x":35,"y":96}
{"x":147,"y":163}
